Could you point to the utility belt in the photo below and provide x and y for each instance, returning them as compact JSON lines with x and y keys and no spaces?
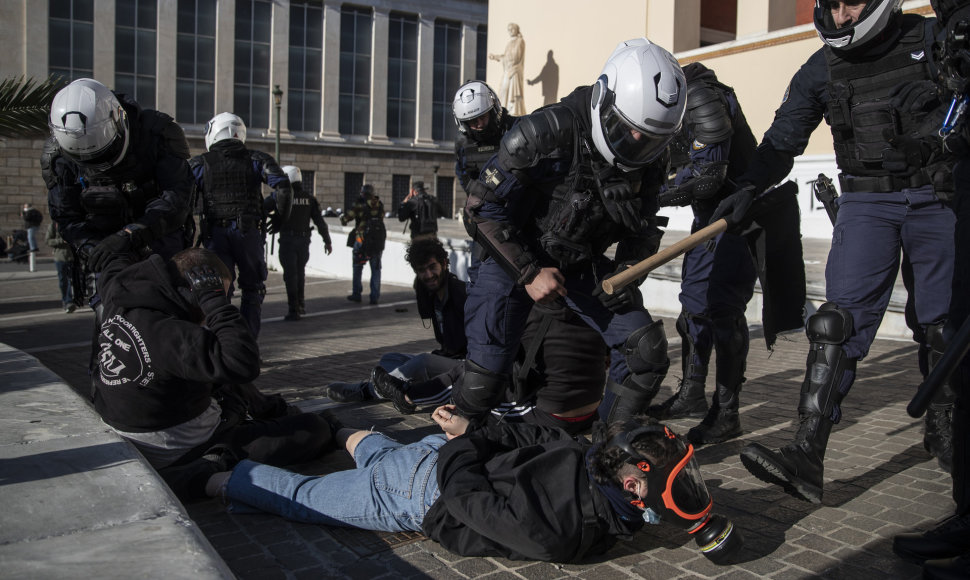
{"x":295,"y":233}
{"x":243,"y":222}
{"x":883,"y":183}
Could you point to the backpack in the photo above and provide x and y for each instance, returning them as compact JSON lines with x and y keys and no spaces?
{"x":33,"y":217}
{"x":425,"y":215}
{"x":374,"y":235}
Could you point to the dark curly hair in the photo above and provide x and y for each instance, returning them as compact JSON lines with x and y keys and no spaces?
{"x":422,"y":250}
{"x":605,"y":462}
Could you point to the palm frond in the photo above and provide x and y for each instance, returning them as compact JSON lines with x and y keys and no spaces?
{"x":25,"y":104}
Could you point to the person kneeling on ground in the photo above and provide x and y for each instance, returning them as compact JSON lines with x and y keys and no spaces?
{"x":519,"y":491}
{"x":173,"y":373}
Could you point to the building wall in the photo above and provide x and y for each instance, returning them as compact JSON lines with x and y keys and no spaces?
{"x":24,"y":42}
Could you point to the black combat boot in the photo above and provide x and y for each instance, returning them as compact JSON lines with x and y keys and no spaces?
{"x":722,"y":422}
{"x":393,"y":389}
{"x":949,"y":539}
{"x":688,"y":401}
{"x":797,"y":466}
{"x":938,"y":435}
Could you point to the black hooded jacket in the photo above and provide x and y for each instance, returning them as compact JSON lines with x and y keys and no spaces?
{"x":157,"y":366}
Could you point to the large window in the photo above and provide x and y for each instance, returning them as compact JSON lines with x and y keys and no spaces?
{"x":135,"y":23}
{"x":400,"y":188}
{"x":251,"y":90}
{"x":402,"y":75}
{"x":481,"y":52}
{"x":352,"y":184}
{"x":447,"y":78}
{"x":306,"y":67}
{"x":355,"y":67}
{"x":445,"y":190}
{"x":195,"y":55}
{"x":70,"y":46}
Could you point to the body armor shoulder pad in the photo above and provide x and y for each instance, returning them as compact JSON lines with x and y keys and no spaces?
{"x":48,"y":160}
{"x":538,"y":135}
{"x":195,"y":162}
{"x":708,"y":114}
{"x":171,"y":133}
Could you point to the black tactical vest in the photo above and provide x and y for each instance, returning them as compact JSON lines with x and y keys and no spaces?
{"x":232,"y":188}
{"x":298,"y":223}
{"x":862,"y":118}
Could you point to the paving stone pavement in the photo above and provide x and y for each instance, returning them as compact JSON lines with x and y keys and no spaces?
{"x":879,"y":480}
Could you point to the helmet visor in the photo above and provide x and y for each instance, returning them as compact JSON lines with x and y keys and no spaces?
{"x":90,"y":143}
{"x":631,"y":145}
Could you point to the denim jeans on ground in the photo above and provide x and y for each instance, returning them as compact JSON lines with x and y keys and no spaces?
{"x":375,"y":277}
{"x":391,"y":490}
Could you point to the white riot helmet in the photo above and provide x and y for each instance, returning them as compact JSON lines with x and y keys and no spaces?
{"x":293,"y":173}
{"x":873,"y":19}
{"x":224,"y":126}
{"x":89,"y":124}
{"x":473,"y":100}
{"x":638,"y":104}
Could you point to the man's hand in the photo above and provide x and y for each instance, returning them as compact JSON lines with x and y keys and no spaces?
{"x":450,"y":421}
{"x":734,"y":207}
{"x":100,"y":255}
{"x":547,"y":286}
{"x":623,"y":300}
{"x":328,"y":247}
{"x":208,"y":287}
{"x":621,"y":204}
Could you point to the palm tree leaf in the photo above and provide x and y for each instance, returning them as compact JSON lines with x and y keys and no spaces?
{"x":25,"y":105}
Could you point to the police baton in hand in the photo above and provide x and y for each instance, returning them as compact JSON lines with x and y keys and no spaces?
{"x":954,"y":353}
{"x":624,"y":278}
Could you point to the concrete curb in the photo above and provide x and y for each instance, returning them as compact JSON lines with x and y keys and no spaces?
{"x":77,"y":500}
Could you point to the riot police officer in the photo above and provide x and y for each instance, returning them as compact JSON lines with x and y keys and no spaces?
{"x":568,"y":181}
{"x":295,"y":239}
{"x":229,"y":180}
{"x":715,"y":146}
{"x":894,"y":178}
{"x":117,"y":181}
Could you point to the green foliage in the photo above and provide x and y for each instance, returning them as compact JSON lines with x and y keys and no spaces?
{"x":25,"y":104}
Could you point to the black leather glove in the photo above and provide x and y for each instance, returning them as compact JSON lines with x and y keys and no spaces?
{"x":622,"y":204}
{"x":100,"y":255}
{"x":915,"y":96}
{"x":623,"y":300}
{"x":734,"y":208}
{"x":208,"y":287}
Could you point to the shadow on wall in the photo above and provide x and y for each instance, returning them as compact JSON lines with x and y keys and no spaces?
{"x":549,"y":77}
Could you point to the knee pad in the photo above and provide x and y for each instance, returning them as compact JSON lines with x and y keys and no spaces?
{"x":695,"y":347}
{"x":936,"y":341}
{"x":645,"y":349}
{"x":829,"y":325}
{"x":479,"y":390}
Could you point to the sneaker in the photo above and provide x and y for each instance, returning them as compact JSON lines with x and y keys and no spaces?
{"x":349,"y":392}
{"x":291,"y":316}
{"x":392,"y":388}
{"x":353,"y":298}
{"x":69,"y":308}
{"x":373,"y":301}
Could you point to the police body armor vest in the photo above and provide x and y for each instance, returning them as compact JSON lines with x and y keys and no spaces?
{"x":232,"y":188}
{"x":298,"y":223}
{"x":859,"y":110}
{"x":477,"y":153}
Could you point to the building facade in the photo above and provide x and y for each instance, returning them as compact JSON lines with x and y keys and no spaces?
{"x":364,"y":89}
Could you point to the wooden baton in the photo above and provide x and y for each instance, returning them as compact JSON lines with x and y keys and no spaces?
{"x":621,"y":280}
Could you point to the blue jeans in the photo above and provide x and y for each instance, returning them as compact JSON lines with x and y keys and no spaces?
{"x":32,"y":238}
{"x":64,"y":270}
{"x":375,"y":274}
{"x":391,"y":490}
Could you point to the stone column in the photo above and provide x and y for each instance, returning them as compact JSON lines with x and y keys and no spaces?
{"x":425,"y":80}
{"x":330,"y":91}
{"x":225,"y":54}
{"x":279,"y":73}
{"x":166,"y":35}
{"x":761,"y":16}
{"x":104,"y":42}
{"x":676,"y":26}
{"x":378,"y":78}
{"x":469,"y":46}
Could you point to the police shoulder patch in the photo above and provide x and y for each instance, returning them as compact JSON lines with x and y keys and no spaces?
{"x":787,"y":94}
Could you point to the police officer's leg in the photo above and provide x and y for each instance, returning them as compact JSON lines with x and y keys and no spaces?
{"x":860,"y":273}
{"x":252,"y":277}
{"x":732,"y":286}
{"x":926,"y":235}
{"x":221,"y":240}
{"x":289,"y":258}
{"x":304,"y":257}
{"x":638,"y":355}
{"x":697,"y":343}
{"x":495,"y":314}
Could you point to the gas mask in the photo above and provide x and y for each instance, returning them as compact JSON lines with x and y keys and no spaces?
{"x":676,"y":494}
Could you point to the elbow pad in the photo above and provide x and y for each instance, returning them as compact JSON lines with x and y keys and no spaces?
{"x":708,"y":115}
